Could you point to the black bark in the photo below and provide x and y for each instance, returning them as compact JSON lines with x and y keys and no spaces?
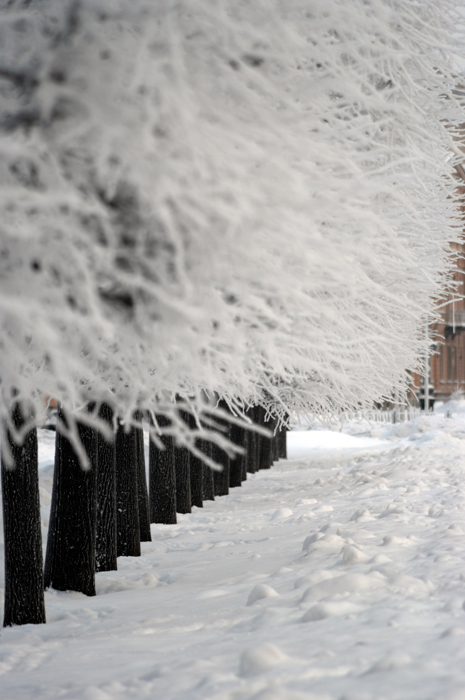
{"x":249,"y":461}
{"x":196,"y":466}
{"x":245,"y":455}
{"x":183,"y":474}
{"x":208,"y":486}
{"x":265,"y":459}
{"x":251,"y":457}
{"x":162,"y":479}
{"x":70,"y":558}
{"x":24,"y":578}
{"x":237,"y":436}
{"x":265,"y":447}
{"x":221,"y":478}
{"x":142,"y":491}
{"x":282,"y":442}
{"x":128,"y":532}
{"x":274,"y":448}
{"x":258,"y":419}
{"x":183,"y":479}
{"x":106,"y":549}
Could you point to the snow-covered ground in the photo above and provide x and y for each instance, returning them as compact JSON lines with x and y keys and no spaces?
{"x":337,"y":575}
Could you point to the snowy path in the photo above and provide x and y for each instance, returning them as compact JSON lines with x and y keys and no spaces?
{"x":337,"y":575}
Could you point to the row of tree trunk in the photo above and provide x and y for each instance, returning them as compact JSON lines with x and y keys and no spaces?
{"x":104,"y":510}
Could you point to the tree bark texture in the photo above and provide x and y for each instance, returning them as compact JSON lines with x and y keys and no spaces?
{"x":274,"y":449}
{"x":265,"y":459}
{"x":245,"y":455}
{"x":258,"y":419}
{"x":250,"y":463}
{"x":237,"y":436}
{"x":24,"y":578}
{"x":282,"y":442}
{"x":142,"y":491}
{"x":183,"y":473}
{"x":208,"y":486}
{"x":106,"y":541}
{"x":266,"y":447}
{"x":221,"y":478}
{"x":127,"y":505}
{"x":162,"y":479}
{"x":251,"y":457}
{"x":70,"y":558}
{"x":196,"y":468}
{"x":183,"y":479}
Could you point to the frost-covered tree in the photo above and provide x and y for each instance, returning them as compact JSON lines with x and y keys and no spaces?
{"x":217,"y":199}
{"x":146,"y":148}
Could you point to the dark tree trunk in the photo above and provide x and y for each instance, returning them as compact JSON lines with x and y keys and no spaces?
{"x":258,"y":420}
{"x":282,"y":442}
{"x":251,"y":457}
{"x":70,"y":559}
{"x":196,"y":480}
{"x":237,"y":435}
{"x":183,"y":474}
{"x":24,"y":578}
{"x":142,"y":491}
{"x":221,"y":478}
{"x":196,"y":468}
{"x":266,"y":447}
{"x":245,"y":456}
{"x":106,"y":550}
{"x":128,"y":542}
{"x":249,"y":461}
{"x":162,"y":479}
{"x":208,"y":486}
{"x":266,"y":459}
{"x":274,"y":448}
{"x":183,"y":479}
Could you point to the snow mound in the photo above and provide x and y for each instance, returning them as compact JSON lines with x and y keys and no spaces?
{"x":260,"y":659}
{"x":116,"y":585}
{"x":321,"y":611}
{"x":347,"y":583}
{"x":261,"y":591}
{"x":315,"y":577}
{"x":352,"y":555}
{"x":361,"y":515}
{"x":281,"y":513}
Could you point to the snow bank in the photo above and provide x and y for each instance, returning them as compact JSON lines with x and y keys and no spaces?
{"x":358,"y":592}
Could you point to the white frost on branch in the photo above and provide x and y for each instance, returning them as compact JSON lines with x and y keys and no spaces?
{"x":253,"y":200}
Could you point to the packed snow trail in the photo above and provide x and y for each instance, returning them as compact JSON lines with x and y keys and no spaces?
{"x":337,"y":575}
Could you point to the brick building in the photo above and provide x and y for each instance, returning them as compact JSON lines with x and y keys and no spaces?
{"x":447,"y":365}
